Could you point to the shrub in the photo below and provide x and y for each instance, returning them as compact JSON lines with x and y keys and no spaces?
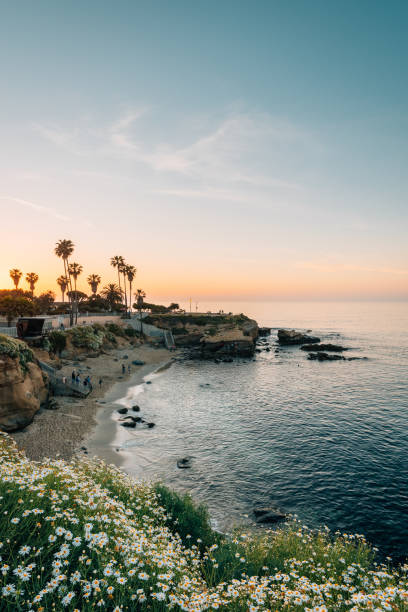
{"x":116,"y":329}
{"x":57,"y":340}
{"x":131,"y":333}
{"x":87,"y":337}
{"x":16,"y":348}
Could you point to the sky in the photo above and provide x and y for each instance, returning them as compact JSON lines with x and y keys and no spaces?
{"x":228,"y":149}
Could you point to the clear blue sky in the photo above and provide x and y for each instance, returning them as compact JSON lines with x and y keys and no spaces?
{"x":225,"y":148}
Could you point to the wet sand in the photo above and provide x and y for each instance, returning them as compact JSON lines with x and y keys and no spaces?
{"x":62,"y":432}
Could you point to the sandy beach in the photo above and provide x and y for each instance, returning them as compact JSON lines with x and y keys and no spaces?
{"x":61,"y":433}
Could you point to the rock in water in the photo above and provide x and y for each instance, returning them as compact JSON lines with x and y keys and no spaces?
{"x":334,"y":348}
{"x":268,"y":515}
{"x":292,"y":337}
{"x":184,"y":463}
{"x":128,"y":424}
{"x":325,"y":357}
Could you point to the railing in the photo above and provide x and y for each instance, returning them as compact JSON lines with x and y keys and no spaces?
{"x":9,"y":331}
{"x":61,"y":387}
{"x":169,"y":340}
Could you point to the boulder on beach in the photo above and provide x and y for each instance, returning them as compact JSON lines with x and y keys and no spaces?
{"x":268,"y":515}
{"x":292,"y":337}
{"x":334,"y":348}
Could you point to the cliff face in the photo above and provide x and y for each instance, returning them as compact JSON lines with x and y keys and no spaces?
{"x":211,"y":336}
{"x":22,"y":388}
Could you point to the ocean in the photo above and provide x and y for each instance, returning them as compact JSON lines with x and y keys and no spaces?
{"x":326,"y":441}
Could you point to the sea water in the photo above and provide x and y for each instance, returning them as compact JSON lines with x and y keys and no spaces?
{"x":327,"y":441}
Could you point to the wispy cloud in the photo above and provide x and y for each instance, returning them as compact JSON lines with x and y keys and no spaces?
{"x":44,"y":210}
{"x":227,"y":153}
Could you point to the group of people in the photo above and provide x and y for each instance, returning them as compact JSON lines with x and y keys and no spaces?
{"x":76,"y":380}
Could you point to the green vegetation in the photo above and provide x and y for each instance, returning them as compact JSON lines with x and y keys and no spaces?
{"x":58,"y":341}
{"x":16,"y":348}
{"x":83,"y":535}
{"x":90,"y":337}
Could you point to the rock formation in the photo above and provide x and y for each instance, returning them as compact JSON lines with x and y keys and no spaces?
{"x":292,"y":337}
{"x":23,"y":387}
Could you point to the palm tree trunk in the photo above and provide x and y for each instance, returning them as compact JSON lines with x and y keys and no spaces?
{"x":70,"y":297}
{"x":124,"y":284}
{"x":76,"y":302}
{"x":119,"y":281}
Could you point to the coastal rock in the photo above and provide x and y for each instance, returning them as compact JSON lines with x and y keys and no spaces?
{"x":292,"y":337}
{"x":325,"y":357}
{"x":130,"y":424}
{"x":52,"y":404}
{"x":21,"y":393}
{"x":268,"y":515}
{"x":184,"y":463}
{"x":335,"y":348}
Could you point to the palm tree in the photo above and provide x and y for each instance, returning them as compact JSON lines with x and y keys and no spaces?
{"x":31,"y":278}
{"x":74,"y":270}
{"x":16,"y":274}
{"x":93,"y":281}
{"x":130,"y":272}
{"x":140,"y":295}
{"x":112,"y":294}
{"x":117,"y":262}
{"x":62,"y":281}
{"x":123,"y":270}
{"x":63,"y":249}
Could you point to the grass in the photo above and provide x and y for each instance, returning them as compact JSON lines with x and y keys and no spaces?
{"x":84,"y":536}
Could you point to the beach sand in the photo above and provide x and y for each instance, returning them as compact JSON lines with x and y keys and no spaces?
{"x":61,"y":433}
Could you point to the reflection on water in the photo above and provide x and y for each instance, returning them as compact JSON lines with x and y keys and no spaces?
{"x":327,"y":441}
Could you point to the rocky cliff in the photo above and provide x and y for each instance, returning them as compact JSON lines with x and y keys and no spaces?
{"x":211,"y":336}
{"x":23,"y":387}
